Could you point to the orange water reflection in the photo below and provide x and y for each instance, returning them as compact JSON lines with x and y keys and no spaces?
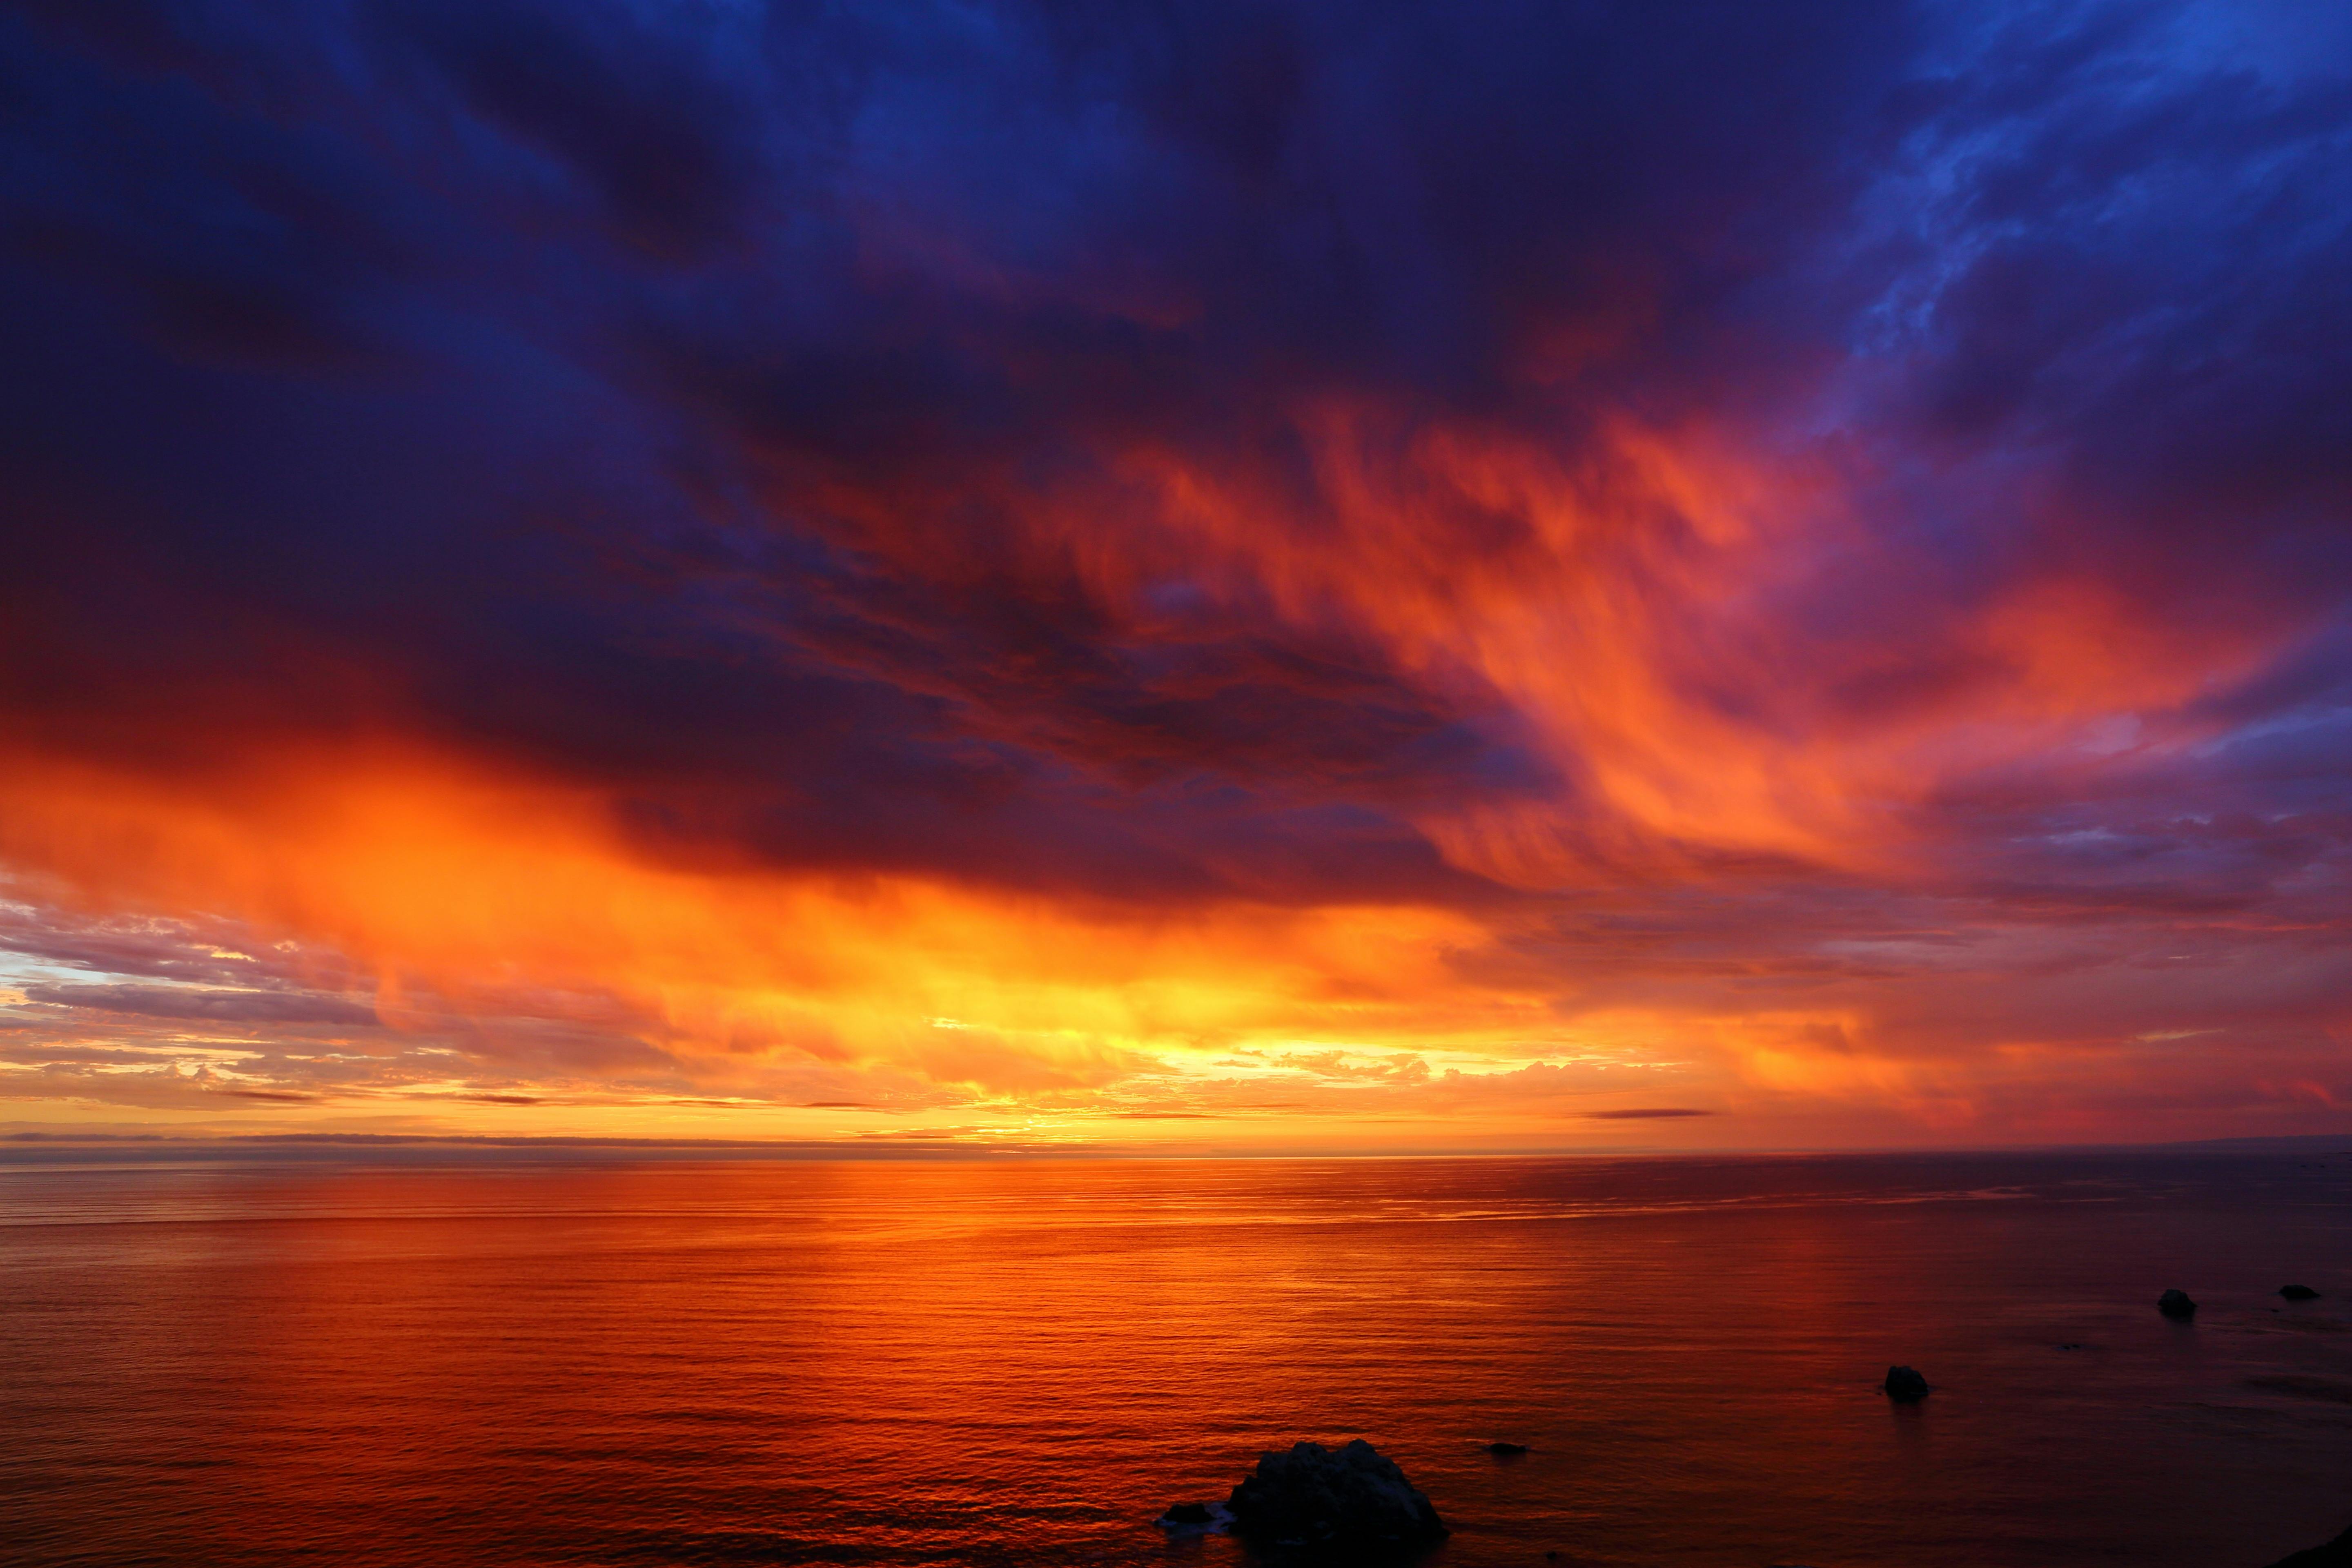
{"x":884,"y":1364}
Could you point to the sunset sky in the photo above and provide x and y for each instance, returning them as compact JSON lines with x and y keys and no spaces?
{"x":1247,"y":577}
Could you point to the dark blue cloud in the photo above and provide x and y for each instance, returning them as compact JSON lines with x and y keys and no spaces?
{"x":726,"y":404}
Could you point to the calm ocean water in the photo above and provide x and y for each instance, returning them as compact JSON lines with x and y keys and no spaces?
{"x":877,"y":1363}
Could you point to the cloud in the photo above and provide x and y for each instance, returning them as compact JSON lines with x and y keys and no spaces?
{"x":658,"y":552}
{"x":1644,"y":1113}
{"x":215,"y":1006}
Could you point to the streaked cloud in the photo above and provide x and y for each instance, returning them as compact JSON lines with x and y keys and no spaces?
{"x":1264,"y":576}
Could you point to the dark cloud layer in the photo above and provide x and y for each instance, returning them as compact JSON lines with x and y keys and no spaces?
{"x":1860,"y":468}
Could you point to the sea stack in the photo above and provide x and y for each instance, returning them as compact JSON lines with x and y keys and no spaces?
{"x":2176,"y":1304}
{"x":1317,"y":1504}
{"x":1905,"y":1383}
{"x":2298,"y":1292}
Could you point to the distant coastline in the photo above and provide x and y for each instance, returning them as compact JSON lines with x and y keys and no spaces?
{"x":29,"y":1147}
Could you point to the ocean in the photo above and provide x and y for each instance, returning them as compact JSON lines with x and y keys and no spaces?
{"x":1023,"y":1362}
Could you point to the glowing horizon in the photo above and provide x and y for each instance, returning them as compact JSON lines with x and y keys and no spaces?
{"x":1267,"y":583}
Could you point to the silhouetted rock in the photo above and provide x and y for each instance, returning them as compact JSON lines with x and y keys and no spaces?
{"x":1905,"y":1383}
{"x":1318,"y":1503}
{"x":2298,"y":1292}
{"x":2176,"y":1304}
{"x":1194,"y":1519}
{"x":2337,"y":1553}
{"x":1506,"y":1450}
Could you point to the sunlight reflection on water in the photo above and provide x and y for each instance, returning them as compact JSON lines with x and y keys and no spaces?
{"x":1026,"y":1363}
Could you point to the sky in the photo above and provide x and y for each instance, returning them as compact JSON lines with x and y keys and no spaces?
{"x":1256,"y":577}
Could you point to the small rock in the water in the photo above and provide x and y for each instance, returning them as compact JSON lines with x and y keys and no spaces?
{"x":1905,"y":1383}
{"x":2298,"y":1292}
{"x":2337,"y":1553}
{"x":1506,"y":1450}
{"x":2176,"y":1304}
{"x":1351,"y":1502}
{"x":1194,"y":1519}
{"x":2072,"y":1345}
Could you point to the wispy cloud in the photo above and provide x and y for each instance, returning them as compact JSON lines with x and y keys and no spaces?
{"x":1456,"y":567}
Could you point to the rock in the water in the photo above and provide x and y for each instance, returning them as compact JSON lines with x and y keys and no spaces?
{"x":2337,"y":1553}
{"x":2176,"y":1304}
{"x":2298,"y":1292}
{"x":1905,"y":1383}
{"x":1317,"y":1503}
{"x":1194,"y":1519}
{"x":1506,"y":1450}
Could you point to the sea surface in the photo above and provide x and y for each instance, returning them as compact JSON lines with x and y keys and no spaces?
{"x":636,"y":1363}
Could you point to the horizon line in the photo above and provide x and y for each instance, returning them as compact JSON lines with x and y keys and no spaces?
{"x":35,"y":1147}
